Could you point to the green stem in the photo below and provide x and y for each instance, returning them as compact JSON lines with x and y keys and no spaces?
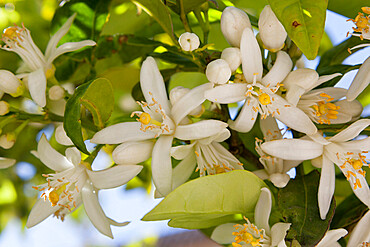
{"x":203,"y":24}
{"x":183,"y":18}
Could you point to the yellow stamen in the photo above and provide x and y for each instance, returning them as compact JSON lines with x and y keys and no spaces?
{"x":357,"y":164}
{"x":145,"y":118}
{"x":264,"y":99}
{"x":53,"y":198}
{"x":11,"y":32}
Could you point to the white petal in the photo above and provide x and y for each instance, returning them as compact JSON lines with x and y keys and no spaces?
{"x":5,"y":162}
{"x":246,"y":118}
{"x":293,"y":149}
{"x":362,"y":144}
{"x":37,"y":86}
{"x":9,"y":83}
{"x":270,"y":128}
{"x":232,"y":56}
{"x":227,"y":93}
{"x":279,"y":71}
{"x":326,"y":186}
{"x":54,"y":40}
{"x":133,"y":152}
{"x":94,"y":210}
{"x":122,"y":132}
{"x":361,"y":232}
{"x":322,"y":79}
{"x":361,"y":80}
{"x":73,"y":155}
{"x":189,"y":102}
{"x":61,"y":136}
{"x":68,"y":47}
{"x":233,"y":22}
{"x":152,"y":84}
{"x":183,"y":170}
{"x":294,"y":94}
{"x":40,"y":211}
{"x":189,"y":41}
{"x":331,"y":237}
{"x":50,"y":157}
{"x":180,"y":152}
{"x":351,"y":108}
{"x":278,"y":232}
{"x":317,"y":137}
{"x":199,"y":130}
{"x":303,"y":78}
{"x":335,"y":92}
{"x":317,"y":162}
{"x":280,"y":180}
{"x":161,"y":165}
{"x":262,"y":210}
{"x":351,"y":131}
{"x":251,"y":56}
{"x":262,"y":174}
{"x":114,"y":176}
{"x":223,"y":234}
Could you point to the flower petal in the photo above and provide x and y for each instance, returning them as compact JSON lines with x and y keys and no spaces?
{"x":262,"y":174}
{"x":278,"y":232}
{"x":279,"y":71}
{"x":263,"y":209}
{"x":39,"y":212}
{"x":349,"y":108}
{"x":331,"y":237}
{"x":280,"y":180}
{"x":73,"y":155}
{"x":122,"y":132}
{"x":303,"y":78}
{"x":223,"y":234}
{"x":322,"y":79}
{"x":227,"y":93}
{"x":270,"y":128}
{"x":180,"y":152}
{"x":133,"y":152}
{"x":161,"y":165}
{"x":37,"y":86}
{"x":114,"y":176}
{"x":293,"y":149}
{"x":251,"y":56}
{"x":361,"y":232}
{"x":94,"y":210}
{"x":50,"y":157}
{"x":152,"y":84}
{"x":361,"y":81}
{"x":246,"y":118}
{"x":351,"y":131}
{"x":68,"y":47}
{"x":182,"y":172}
{"x":199,"y":130}
{"x":189,"y":102}
{"x":5,"y":162}
{"x":362,"y":144}
{"x":326,"y":186}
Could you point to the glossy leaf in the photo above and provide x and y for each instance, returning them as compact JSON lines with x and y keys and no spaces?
{"x":187,"y":79}
{"x":188,"y":5}
{"x":346,"y":8}
{"x":298,"y":205}
{"x":210,"y":200}
{"x":304,"y":22}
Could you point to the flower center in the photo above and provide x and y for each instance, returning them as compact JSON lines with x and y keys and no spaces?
{"x":264,"y":99}
{"x":352,"y":166}
{"x":362,"y":22}
{"x":248,"y":234}
{"x":11,"y":33}
{"x":325,"y":110}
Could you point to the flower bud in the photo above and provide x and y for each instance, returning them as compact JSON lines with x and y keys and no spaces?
{"x":189,"y":41}
{"x":56,"y":92}
{"x":272,"y":32}
{"x":232,"y":56}
{"x":218,"y":71}
{"x":4,"y":108}
{"x":177,"y":93}
{"x":10,"y":84}
{"x":133,"y":152}
{"x":61,"y":136}
{"x":233,"y":22}
{"x":7,"y":140}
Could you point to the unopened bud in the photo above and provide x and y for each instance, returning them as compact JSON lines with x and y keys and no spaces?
{"x":272,"y":32}
{"x":233,"y":22}
{"x":218,"y":71}
{"x":56,"y":92}
{"x":61,"y":136}
{"x":189,"y":41}
{"x":4,"y":108}
{"x":232,"y":56}
{"x":177,"y":93}
{"x":133,"y":152}
{"x":7,"y":140}
{"x":10,"y":84}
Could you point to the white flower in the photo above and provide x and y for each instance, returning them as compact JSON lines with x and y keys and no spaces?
{"x":56,"y":92}
{"x":61,"y":136}
{"x":10,"y":84}
{"x":4,"y":108}
{"x":233,"y":22}
{"x":361,"y":234}
{"x":160,"y":119}
{"x":271,"y":31}
{"x":361,"y":81}
{"x":232,"y":56}
{"x":218,"y":71}
{"x":275,"y":169}
{"x":340,"y":149}
{"x":258,"y":234}
{"x":75,"y":183}
{"x":323,"y":105}
{"x":209,"y":156}
{"x":260,"y":94}
{"x":189,"y":41}
{"x":38,"y":67}
{"x":331,"y":237}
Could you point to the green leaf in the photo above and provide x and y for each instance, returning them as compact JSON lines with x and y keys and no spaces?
{"x":160,"y":13}
{"x":210,"y":200}
{"x":347,"y":8}
{"x":90,"y":19}
{"x":298,"y":205}
{"x":99,"y":100}
{"x":304,"y":21}
{"x":188,"y":5}
{"x":187,"y":79}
